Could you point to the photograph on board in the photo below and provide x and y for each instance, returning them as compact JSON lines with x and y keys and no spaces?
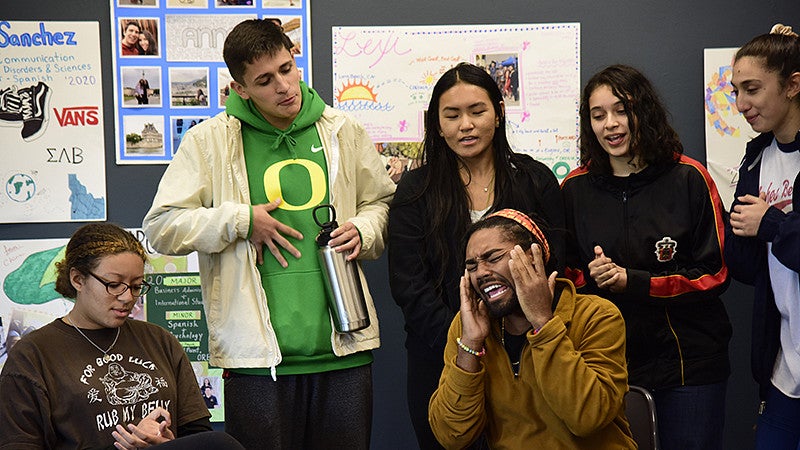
{"x":141,"y":87}
{"x":188,"y":87}
{"x":504,"y":70}
{"x":138,"y":37}
{"x":144,"y":135}
{"x":179,"y":125}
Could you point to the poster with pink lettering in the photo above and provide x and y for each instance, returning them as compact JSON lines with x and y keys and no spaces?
{"x":384,"y":75}
{"x":51,"y":122}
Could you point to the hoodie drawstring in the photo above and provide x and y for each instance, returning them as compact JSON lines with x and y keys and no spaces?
{"x":290,"y":140}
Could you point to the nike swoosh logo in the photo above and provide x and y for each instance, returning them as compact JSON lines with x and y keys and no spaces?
{"x":315,"y":149}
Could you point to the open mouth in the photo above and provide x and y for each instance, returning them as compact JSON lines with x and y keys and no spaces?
{"x":468,"y":140}
{"x":615,"y":139}
{"x":493,"y":290}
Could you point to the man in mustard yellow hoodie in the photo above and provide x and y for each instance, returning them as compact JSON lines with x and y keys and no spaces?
{"x":240,"y":191}
{"x":529,"y":363}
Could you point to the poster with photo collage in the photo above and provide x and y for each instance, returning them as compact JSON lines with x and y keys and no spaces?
{"x":169,"y":74}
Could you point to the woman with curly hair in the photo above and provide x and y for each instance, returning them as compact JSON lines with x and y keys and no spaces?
{"x":647,"y":232}
{"x":95,"y":378}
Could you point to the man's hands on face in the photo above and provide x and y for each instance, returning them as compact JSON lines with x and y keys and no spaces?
{"x":475,"y":322}
{"x":534,"y":288}
{"x":475,"y":325}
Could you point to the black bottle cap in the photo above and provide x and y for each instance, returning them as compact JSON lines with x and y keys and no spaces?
{"x":326,"y":228}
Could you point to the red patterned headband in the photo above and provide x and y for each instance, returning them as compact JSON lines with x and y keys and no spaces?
{"x":528,"y":224}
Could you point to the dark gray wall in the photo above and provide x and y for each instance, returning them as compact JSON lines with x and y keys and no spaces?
{"x":665,"y":39}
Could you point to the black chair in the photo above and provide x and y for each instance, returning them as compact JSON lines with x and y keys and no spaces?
{"x":640,"y":408}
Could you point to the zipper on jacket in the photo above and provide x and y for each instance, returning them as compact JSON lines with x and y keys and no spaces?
{"x":625,"y":228}
{"x":677,"y":342}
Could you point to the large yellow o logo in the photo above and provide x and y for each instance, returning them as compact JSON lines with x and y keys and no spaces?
{"x":272,"y":183}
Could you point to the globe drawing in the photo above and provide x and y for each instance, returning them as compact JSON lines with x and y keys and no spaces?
{"x":20,"y":187}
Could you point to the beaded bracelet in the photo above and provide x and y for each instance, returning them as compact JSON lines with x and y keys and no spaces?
{"x":469,"y":350}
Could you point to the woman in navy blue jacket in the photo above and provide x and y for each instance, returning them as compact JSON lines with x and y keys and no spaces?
{"x":763,"y":237}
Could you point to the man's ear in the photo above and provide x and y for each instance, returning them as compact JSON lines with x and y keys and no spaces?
{"x":239,"y":89}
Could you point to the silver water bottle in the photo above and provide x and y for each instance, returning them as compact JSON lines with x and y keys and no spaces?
{"x":345,"y":295}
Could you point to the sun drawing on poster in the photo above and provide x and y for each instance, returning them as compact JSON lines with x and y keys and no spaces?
{"x":356,"y":91}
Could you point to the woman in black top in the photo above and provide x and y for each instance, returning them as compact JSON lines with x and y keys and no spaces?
{"x":469,"y":170}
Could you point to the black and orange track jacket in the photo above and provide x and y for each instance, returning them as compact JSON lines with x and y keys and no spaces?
{"x":664,"y":225}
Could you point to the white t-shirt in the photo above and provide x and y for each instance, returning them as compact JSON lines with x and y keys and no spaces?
{"x":778,"y":172}
{"x":476,"y":215}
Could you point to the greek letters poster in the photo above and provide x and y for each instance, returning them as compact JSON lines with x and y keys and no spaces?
{"x":169,"y":74}
{"x":384,"y":76}
{"x":727,"y":132}
{"x":51,"y":122}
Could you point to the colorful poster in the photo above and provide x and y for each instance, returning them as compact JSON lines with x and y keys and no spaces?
{"x":727,"y":132}
{"x":169,"y":74}
{"x":51,"y":122}
{"x":384,"y":77}
{"x":28,"y":299}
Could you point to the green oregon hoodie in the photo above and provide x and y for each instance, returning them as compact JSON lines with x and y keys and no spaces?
{"x":290,"y":164}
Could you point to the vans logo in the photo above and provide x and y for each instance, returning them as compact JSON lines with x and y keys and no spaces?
{"x":78,"y":116}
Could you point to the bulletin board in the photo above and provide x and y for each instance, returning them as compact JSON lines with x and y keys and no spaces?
{"x":175,"y":77}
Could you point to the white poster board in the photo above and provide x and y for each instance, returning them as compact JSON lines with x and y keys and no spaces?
{"x":384,"y":76}
{"x":51,"y":122}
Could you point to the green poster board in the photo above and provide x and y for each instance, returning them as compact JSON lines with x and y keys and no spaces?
{"x":175,"y":302}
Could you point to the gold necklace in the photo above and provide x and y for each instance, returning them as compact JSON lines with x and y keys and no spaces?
{"x":490,"y":184}
{"x":106,"y":358}
{"x":514,"y":365}
{"x":488,"y":189}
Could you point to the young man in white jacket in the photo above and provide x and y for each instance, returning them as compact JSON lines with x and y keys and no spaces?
{"x":240,"y":191}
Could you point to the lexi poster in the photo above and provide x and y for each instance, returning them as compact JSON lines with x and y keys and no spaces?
{"x":169,"y":74}
{"x":727,"y":132}
{"x":51,"y":122}
{"x":384,"y":77}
